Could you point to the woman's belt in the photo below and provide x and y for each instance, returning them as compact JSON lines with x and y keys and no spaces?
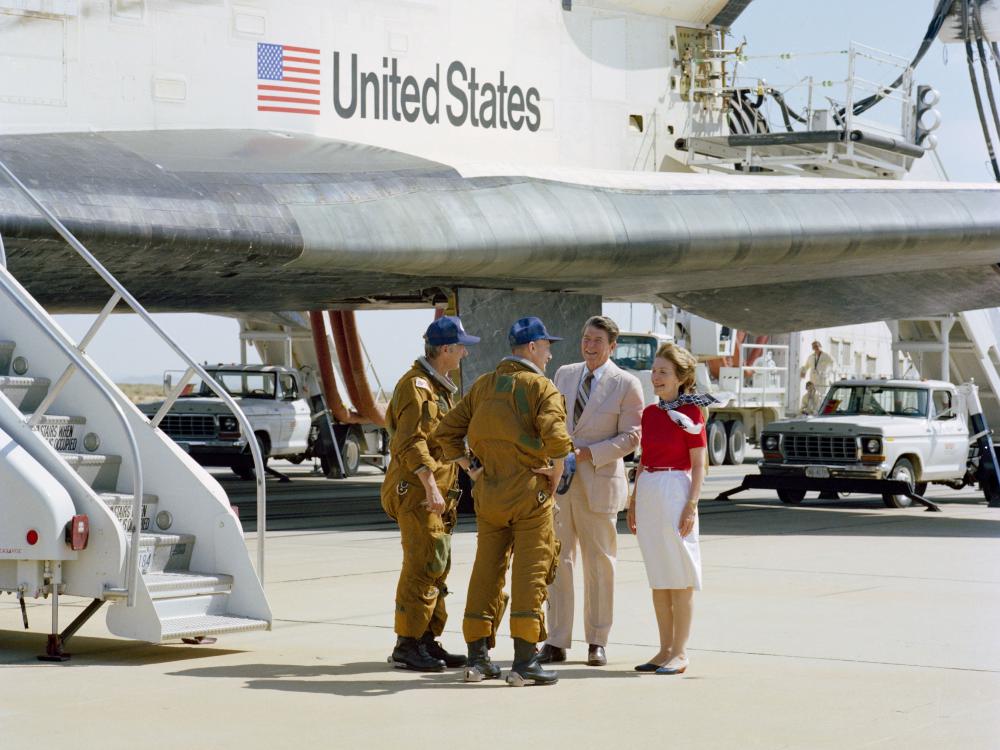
{"x":662,"y":468}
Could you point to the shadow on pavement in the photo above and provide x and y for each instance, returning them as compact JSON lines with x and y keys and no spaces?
{"x":19,"y":648}
{"x":298,"y":678}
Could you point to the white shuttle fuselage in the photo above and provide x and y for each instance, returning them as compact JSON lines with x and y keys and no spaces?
{"x":520,"y":81}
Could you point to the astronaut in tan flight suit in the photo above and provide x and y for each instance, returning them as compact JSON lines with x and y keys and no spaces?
{"x":420,"y":493}
{"x":514,"y":420}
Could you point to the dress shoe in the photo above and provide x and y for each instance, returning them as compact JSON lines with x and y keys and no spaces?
{"x":596,"y":656}
{"x":550,"y":654}
{"x":647,"y":667}
{"x":677,"y":665}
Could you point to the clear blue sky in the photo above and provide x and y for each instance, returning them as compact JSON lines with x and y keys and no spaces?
{"x":129,"y":354}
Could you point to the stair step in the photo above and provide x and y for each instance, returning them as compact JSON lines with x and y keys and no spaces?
{"x":6,"y":355}
{"x":100,"y":471}
{"x":120,"y":504}
{"x":26,"y":393}
{"x":164,"y":553}
{"x":168,"y":585}
{"x":65,"y":434}
{"x":189,"y":627}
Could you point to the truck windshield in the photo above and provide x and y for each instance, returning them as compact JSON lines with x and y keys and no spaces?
{"x":876,"y":400}
{"x":239,"y":384}
{"x":635,"y":352}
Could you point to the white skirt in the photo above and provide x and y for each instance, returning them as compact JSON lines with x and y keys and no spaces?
{"x":672,"y":561}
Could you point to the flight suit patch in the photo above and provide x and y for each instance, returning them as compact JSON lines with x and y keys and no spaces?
{"x":402,"y":488}
{"x":422,"y":383}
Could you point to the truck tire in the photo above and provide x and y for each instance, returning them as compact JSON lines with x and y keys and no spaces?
{"x":736,"y":442}
{"x":243,"y":466}
{"x":716,"y":437}
{"x":902,"y":470}
{"x":350,"y":454}
{"x":791,"y":497}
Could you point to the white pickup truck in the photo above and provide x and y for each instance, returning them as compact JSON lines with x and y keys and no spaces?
{"x":287,"y":421}
{"x":913,"y":431}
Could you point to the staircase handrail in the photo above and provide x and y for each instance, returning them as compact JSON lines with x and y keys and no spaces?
{"x":132,"y":569}
{"x":221,"y":392}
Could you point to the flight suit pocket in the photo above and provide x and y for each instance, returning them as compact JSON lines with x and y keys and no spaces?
{"x":431,"y":415}
{"x":550,"y":576}
{"x":440,"y":554}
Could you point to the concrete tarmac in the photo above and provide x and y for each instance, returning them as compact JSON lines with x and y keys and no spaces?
{"x":835,"y":624}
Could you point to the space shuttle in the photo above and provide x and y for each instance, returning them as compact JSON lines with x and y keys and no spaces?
{"x":225,"y":156}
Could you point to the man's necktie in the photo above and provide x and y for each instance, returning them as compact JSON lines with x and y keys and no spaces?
{"x":582,"y":396}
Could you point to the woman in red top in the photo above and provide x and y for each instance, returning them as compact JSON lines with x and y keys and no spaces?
{"x":663,"y":508}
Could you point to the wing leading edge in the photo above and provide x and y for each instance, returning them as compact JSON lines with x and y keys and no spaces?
{"x":229,"y":221}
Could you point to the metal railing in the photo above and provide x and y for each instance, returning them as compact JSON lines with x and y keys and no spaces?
{"x":841,"y":94}
{"x":78,"y":362}
{"x":772,"y":390}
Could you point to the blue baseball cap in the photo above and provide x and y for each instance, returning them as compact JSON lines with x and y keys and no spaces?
{"x":448,"y":330}
{"x":527,"y":330}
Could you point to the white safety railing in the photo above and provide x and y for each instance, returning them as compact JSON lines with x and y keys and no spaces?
{"x":78,"y":361}
{"x":803,"y":98}
{"x":767,"y":376}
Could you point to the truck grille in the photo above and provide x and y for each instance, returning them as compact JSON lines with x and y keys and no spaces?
{"x":821,"y":448}
{"x":189,"y":426}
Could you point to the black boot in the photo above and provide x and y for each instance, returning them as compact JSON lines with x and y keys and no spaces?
{"x":479,"y":666}
{"x":526,"y":667}
{"x":436,"y":650}
{"x":411,"y":653}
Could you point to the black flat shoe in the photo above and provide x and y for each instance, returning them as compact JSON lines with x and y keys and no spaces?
{"x":647,"y":667}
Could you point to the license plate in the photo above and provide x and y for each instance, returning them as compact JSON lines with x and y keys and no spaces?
{"x":817,"y":472}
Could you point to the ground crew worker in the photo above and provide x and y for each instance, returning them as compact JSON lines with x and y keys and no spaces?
{"x":514,"y":420}
{"x":420,"y":493}
{"x":811,"y":399}
{"x":818,"y":368}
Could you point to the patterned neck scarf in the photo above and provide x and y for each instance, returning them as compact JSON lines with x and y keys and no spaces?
{"x":698,"y":399}
{"x":681,"y":419}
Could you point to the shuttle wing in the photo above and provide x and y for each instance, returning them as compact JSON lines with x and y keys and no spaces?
{"x":231,"y":221}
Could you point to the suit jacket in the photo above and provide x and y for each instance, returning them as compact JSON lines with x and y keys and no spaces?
{"x":609,"y":426}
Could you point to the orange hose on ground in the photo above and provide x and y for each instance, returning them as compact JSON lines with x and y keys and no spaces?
{"x":328,"y":382}
{"x":365,"y":402}
{"x":339,"y":332}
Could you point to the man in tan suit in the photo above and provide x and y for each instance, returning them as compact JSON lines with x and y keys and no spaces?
{"x":604,"y":406}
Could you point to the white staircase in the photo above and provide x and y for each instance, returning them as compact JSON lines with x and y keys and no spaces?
{"x":960,"y":348}
{"x":195,"y":579}
{"x":73,"y":451}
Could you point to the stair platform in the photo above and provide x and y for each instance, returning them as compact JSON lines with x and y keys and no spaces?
{"x":190,"y":627}
{"x":167,"y":585}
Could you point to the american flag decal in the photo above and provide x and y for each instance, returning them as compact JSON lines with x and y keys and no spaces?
{"x":287,"y":79}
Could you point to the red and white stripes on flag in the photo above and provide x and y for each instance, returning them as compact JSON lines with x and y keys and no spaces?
{"x":287,"y":79}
